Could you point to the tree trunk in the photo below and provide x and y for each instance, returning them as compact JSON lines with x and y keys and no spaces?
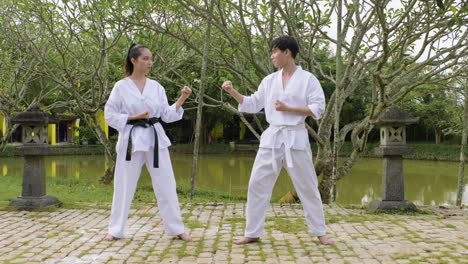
{"x":201,"y":92}
{"x":323,"y":166}
{"x":461,"y":166}
{"x":327,"y":186}
{"x":7,"y":134}
{"x":108,"y":174}
{"x":438,"y":135}
{"x":109,"y":151}
{"x":331,"y":185}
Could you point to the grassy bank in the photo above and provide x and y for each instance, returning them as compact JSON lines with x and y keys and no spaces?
{"x":421,"y":151}
{"x":71,"y":191}
{"x":10,"y":150}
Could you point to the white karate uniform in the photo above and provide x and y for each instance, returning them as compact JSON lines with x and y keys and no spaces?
{"x":285,"y":144}
{"x":127,"y":100}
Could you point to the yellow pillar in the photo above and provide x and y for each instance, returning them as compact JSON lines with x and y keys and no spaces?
{"x":76,"y":124}
{"x":217,"y":131}
{"x":2,"y":124}
{"x":242,"y":131}
{"x":4,"y":170}
{"x":102,"y":122}
{"x":52,"y":134}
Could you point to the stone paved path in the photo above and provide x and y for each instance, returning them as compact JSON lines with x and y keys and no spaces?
{"x":75,"y":236}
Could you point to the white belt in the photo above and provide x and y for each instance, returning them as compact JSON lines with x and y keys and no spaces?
{"x":287,"y":144}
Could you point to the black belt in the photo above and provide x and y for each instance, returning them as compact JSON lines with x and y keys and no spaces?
{"x":144,"y":123}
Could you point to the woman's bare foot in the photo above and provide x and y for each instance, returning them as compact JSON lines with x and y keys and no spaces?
{"x":246,"y":240}
{"x":185,"y":237}
{"x":110,"y":237}
{"x":325,"y":240}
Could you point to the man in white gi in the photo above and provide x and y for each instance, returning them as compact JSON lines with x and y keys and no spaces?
{"x":288,"y":97}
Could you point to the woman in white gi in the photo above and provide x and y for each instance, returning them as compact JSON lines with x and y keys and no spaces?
{"x":134,"y":108}
{"x":288,"y":97}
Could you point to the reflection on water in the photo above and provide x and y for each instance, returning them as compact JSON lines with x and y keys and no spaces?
{"x":426,"y":182}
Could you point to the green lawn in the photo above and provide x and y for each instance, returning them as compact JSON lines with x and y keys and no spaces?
{"x":71,"y":191}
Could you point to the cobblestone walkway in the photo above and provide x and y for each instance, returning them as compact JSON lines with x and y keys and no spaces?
{"x":75,"y":236}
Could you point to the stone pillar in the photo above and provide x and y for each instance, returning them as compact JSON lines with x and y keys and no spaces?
{"x":392,"y":148}
{"x":392,"y":178}
{"x":35,"y":147}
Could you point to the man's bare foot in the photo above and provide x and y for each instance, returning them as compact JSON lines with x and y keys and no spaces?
{"x":325,"y":240}
{"x":246,"y":240}
{"x":110,"y":237}
{"x":185,"y":237}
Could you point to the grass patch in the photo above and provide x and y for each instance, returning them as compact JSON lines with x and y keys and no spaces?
{"x":204,"y":148}
{"x":450,"y":226}
{"x":234,"y":220}
{"x":52,"y":208}
{"x":421,"y":151}
{"x":287,"y":224}
{"x":4,"y":206}
{"x":353,"y":206}
{"x":404,"y":211}
{"x":352,"y":218}
{"x":331,"y":219}
{"x":52,"y":235}
{"x":361,"y":218}
{"x":205,"y":194}
{"x":59,"y":150}
{"x":186,"y":216}
{"x":182,"y":252}
{"x":144,"y":215}
{"x":192,"y":224}
{"x":67,"y":190}
{"x":463,"y":244}
{"x":73,"y":192}
{"x":165,"y":252}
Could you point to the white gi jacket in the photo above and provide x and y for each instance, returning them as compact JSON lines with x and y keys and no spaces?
{"x":303,"y":89}
{"x":127,"y":100}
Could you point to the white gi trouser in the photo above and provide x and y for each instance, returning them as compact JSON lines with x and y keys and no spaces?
{"x":126,"y":178}
{"x":265,"y":171}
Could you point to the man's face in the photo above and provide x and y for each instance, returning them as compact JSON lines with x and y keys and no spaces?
{"x":279,"y":57}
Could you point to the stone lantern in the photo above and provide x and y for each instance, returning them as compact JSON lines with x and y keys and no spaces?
{"x":392,"y":125}
{"x":35,"y":146}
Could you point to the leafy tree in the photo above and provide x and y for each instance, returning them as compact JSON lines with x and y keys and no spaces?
{"x":438,"y":108}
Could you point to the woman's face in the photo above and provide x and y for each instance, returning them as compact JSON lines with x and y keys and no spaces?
{"x":144,"y":62}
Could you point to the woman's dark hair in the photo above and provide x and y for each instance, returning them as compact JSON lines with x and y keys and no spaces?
{"x":285,"y":42}
{"x":133,"y":53}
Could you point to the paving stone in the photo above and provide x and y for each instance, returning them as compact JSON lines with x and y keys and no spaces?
{"x":75,"y":236}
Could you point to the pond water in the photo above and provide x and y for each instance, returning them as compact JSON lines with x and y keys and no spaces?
{"x":426,"y":182}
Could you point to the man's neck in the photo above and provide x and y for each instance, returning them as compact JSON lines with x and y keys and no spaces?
{"x":289,"y":69}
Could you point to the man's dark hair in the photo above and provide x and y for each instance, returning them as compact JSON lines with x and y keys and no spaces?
{"x":285,"y":42}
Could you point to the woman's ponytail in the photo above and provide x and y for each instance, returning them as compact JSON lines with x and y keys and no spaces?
{"x":133,"y":53}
